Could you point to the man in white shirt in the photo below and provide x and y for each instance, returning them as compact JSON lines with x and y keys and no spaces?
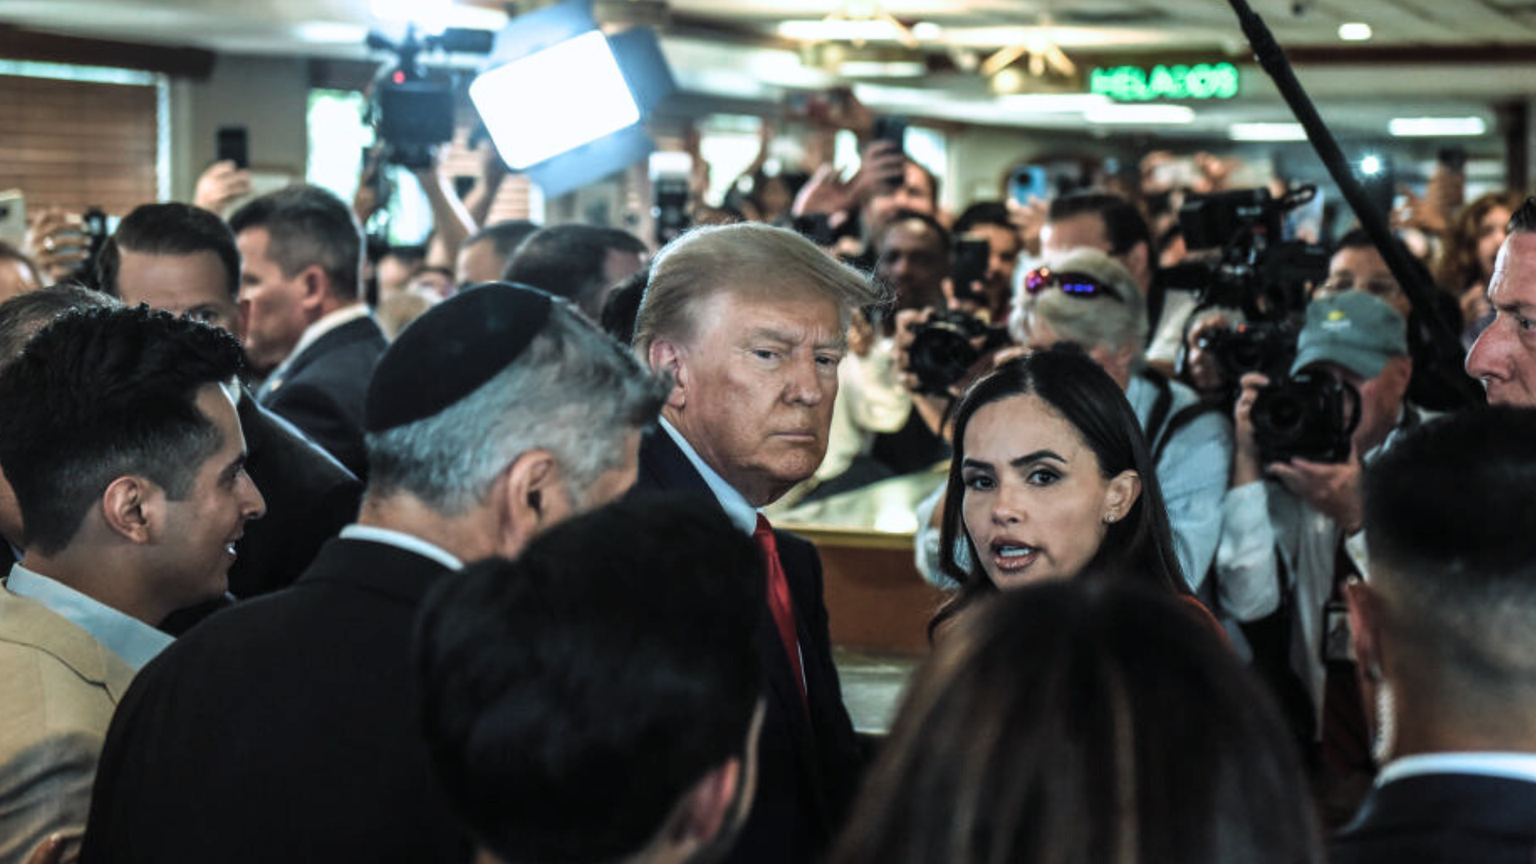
{"x":305,"y":324}
{"x":120,"y":439}
{"x":1444,"y":631}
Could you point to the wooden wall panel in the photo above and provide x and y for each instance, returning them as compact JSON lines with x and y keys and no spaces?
{"x":77,"y":144}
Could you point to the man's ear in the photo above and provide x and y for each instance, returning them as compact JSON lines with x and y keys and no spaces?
{"x":1138,"y":260}
{"x":134,"y":508}
{"x":1121,"y":495}
{"x":316,"y":286}
{"x":667,"y":357}
{"x":701,"y":813}
{"x":533,"y":497}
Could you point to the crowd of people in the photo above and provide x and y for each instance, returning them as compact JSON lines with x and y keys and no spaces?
{"x":464,"y":552}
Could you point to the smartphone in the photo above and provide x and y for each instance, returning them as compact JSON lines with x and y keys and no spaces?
{"x":1028,"y":182}
{"x":13,"y":217}
{"x":815,"y":227}
{"x":234,"y":146}
{"x":972,"y":257}
{"x":892,"y":128}
{"x":1453,"y":158}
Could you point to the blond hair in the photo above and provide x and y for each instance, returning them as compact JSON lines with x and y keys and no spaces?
{"x":746,"y":256}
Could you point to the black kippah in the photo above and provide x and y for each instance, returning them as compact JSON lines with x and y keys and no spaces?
{"x":451,"y":350}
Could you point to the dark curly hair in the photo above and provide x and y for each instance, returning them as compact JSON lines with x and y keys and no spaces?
{"x":100,"y":393}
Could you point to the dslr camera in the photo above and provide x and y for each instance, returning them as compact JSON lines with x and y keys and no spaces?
{"x":946,"y":346}
{"x":1310,"y":415}
{"x":1267,"y":347}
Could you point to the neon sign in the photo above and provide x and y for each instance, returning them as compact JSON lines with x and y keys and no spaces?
{"x":1134,"y":84}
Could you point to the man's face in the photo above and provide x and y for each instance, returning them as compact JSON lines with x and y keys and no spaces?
{"x":618,"y":265}
{"x":1362,"y":268}
{"x":478,"y":262}
{"x":915,"y":193}
{"x":1083,"y":231}
{"x":1504,"y":356}
{"x":201,"y":528}
{"x":194,"y":285}
{"x":272,"y":306}
{"x":913,"y":260}
{"x":756,"y":387}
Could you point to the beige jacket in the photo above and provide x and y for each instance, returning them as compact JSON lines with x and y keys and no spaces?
{"x":58,"y":689}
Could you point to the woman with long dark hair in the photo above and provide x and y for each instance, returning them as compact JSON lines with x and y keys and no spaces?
{"x":1051,"y":476}
{"x":1083,"y":722}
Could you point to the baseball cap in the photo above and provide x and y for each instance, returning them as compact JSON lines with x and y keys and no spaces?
{"x":1354,"y":330}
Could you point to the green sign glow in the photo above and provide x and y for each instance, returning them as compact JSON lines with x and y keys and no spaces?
{"x":1134,"y":84}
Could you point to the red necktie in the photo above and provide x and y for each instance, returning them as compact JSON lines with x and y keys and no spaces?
{"x":779,"y":602}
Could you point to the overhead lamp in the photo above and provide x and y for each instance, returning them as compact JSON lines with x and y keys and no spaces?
{"x":1436,"y":127}
{"x":1266,"y":132}
{"x":1053,"y":103}
{"x":1355,"y":31}
{"x":1371,"y":165}
{"x":1151,"y":115}
{"x":330,"y":33}
{"x":864,"y":22}
{"x":864,"y":61}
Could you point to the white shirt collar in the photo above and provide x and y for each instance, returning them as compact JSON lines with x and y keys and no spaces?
{"x":402,"y":540}
{"x":327,"y":322}
{"x":134,"y":641}
{"x":1511,"y":766}
{"x":736,"y":506}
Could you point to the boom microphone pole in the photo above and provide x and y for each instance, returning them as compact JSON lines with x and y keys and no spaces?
{"x":1440,"y":357}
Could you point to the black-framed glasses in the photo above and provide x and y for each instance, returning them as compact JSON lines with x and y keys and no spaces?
{"x":1072,"y":284}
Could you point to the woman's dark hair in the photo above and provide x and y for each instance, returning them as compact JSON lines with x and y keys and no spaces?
{"x":1056,"y":727}
{"x":1140,"y":545}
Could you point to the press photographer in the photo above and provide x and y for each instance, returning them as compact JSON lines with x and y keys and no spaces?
{"x":1291,"y":521}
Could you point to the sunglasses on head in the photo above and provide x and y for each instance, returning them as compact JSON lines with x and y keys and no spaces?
{"x":1072,"y":284}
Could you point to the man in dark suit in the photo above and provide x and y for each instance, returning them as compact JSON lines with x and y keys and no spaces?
{"x":184,"y":259}
{"x":305,"y":323}
{"x":283,"y":729}
{"x":674,"y":703}
{"x":1444,"y":628}
{"x":749,"y":322}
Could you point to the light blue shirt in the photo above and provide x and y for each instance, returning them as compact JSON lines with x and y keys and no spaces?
{"x":134,"y":641}
{"x":735,"y":505}
{"x":1193,"y":472}
{"x":402,"y":540}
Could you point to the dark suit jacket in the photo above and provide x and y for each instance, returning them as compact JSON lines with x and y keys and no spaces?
{"x":807,"y":767}
{"x":321,"y":391}
{"x":1433,"y":818}
{"x":310,"y":496}
{"x":281,"y":730}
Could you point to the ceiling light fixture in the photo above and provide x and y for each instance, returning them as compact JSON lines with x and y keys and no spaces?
{"x":1355,"y":31}
{"x":1052,"y":103}
{"x":1266,"y":132}
{"x":1436,"y":127}
{"x":859,"y":23}
{"x":1164,"y":115}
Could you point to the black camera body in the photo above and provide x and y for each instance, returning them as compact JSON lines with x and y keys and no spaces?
{"x":946,"y":346}
{"x":1267,"y":347}
{"x":411,"y":112}
{"x":1310,"y":415}
{"x":1257,"y":272}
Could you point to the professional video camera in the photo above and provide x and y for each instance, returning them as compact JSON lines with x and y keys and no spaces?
{"x":1258,"y":272}
{"x":945,"y":347}
{"x":1266,"y":346}
{"x":410,"y":112}
{"x":1311,"y":415}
